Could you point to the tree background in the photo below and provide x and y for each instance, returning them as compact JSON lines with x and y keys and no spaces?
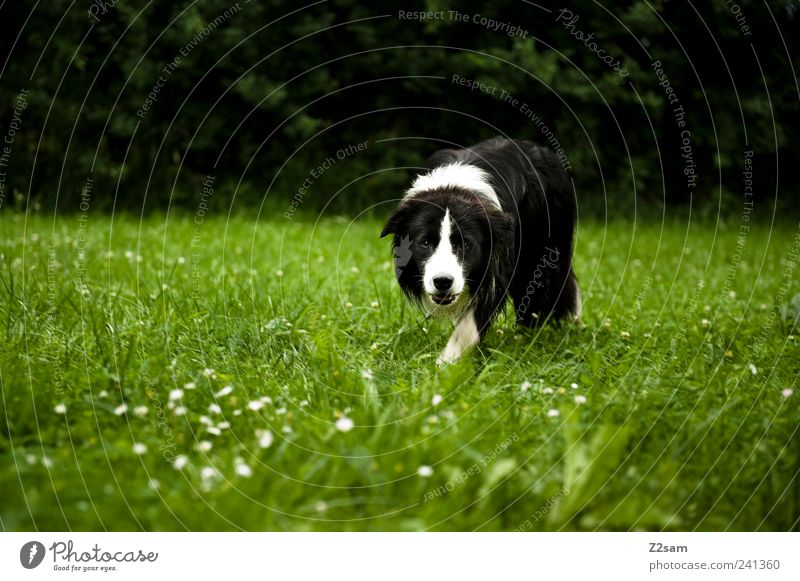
{"x":278,"y":87}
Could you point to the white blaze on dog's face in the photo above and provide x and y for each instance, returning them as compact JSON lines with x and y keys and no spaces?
{"x":443,"y":273}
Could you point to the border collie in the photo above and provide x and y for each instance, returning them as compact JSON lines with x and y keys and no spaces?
{"x":485,"y":223}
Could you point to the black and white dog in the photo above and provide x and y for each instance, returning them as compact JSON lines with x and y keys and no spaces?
{"x":485,"y":223}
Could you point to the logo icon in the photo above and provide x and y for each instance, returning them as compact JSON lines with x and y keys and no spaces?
{"x":402,"y":254}
{"x":31,"y":554}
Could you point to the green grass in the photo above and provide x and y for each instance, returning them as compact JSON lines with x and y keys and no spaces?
{"x":684,"y":425}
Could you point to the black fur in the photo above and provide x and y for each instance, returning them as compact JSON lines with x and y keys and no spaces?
{"x":523,"y":251}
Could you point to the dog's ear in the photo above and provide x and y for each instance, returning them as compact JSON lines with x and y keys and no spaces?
{"x":501,"y":234}
{"x":441,"y":157}
{"x":396,"y":222}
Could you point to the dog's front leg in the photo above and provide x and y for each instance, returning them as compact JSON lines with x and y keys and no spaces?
{"x":464,"y":337}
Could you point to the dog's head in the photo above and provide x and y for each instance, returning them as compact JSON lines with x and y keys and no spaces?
{"x":447,"y":245}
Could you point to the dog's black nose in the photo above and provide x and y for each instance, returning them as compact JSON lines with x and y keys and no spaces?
{"x":443,"y":283}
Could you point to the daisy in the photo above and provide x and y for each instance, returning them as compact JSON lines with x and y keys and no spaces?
{"x":526,"y":385}
{"x":214,"y":408}
{"x":139,"y":449}
{"x":552,"y":413}
{"x":547,"y":390}
{"x":190,"y":385}
{"x":579,"y":399}
{"x":573,"y":385}
{"x":242,"y":469}
{"x":208,"y":372}
{"x":436,"y":400}
{"x":787,"y":392}
{"x":367,"y":374}
{"x":225,"y":391}
{"x":121,"y":409}
{"x":255,"y":405}
{"x":204,"y":446}
{"x":425,"y":471}
{"x":175,"y":394}
{"x":265,"y":439}
{"x":140,"y":411}
{"x":180,"y":462}
{"x":344,"y":424}
{"x":60,"y":408}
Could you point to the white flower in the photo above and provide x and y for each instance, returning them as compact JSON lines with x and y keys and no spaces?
{"x":705,"y":322}
{"x":207,"y":472}
{"x":139,"y":449}
{"x":425,"y":471}
{"x":242,"y":469}
{"x":180,"y":462}
{"x":206,"y":420}
{"x":121,"y":409}
{"x":181,"y":260}
{"x":552,"y":413}
{"x":367,"y":374}
{"x":374,"y":304}
{"x":255,"y":405}
{"x":204,"y":446}
{"x":175,"y":394}
{"x":180,"y":411}
{"x":547,"y":390}
{"x":60,"y":408}
{"x":128,"y":254}
{"x":190,"y":385}
{"x":374,"y":346}
{"x":224,"y":425}
{"x":280,"y":411}
{"x":208,"y":372}
{"x":154,"y":484}
{"x":573,"y":385}
{"x":436,"y":400}
{"x":344,"y":424}
{"x":526,"y":385}
{"x":225,"y":391}
{"x":103,"y":393}
{"x":140,"y":411}
{"x":752,"y":368}
{"x":279,"y":273}
{"x":787,"y":392}
{"x":624,"y":334}
{"x":579,"y":399}
{"x":213,"y":430}
{"x":265,"y":439}
{"x":348,"y":305}
{"x":265,"y":399}
{"x":214,"y":408}
{"x":286,"y":429}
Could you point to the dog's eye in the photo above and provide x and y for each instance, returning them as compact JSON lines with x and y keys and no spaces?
{"x":425,"y":243}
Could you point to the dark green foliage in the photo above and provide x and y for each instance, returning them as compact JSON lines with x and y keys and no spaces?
{"x":273,"y":90}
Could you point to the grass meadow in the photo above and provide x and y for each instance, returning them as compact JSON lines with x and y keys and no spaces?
{"x":243,"y":374}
